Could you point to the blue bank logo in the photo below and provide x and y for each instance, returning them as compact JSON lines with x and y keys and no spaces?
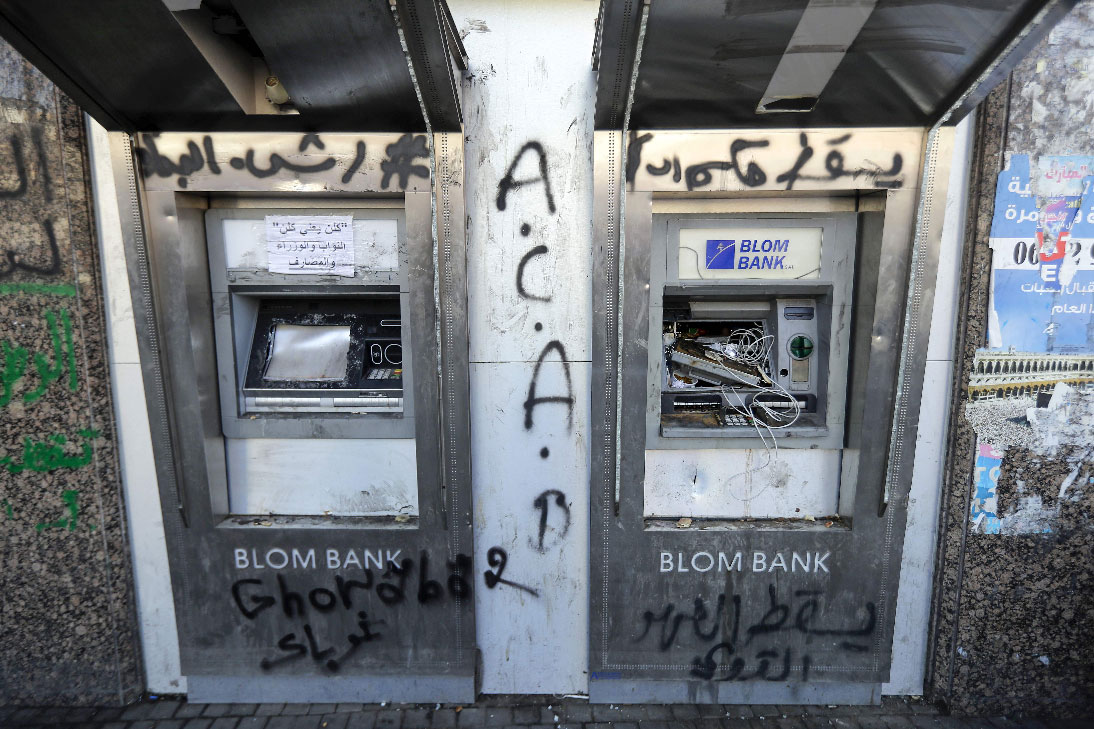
{"x":758,"y":254}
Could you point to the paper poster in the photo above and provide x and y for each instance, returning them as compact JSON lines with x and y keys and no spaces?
{"x":310,"y":244}
{"x":1042,"y":293}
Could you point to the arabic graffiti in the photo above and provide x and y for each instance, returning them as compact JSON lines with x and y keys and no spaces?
{"x":23,"y":198}
{"x":201,"y":156}
{"x":752,"y":173}
{"x":71,"y":500}
{"x":719,"y":631}
{"x":14,"y":358}
{"x":51,"y":454}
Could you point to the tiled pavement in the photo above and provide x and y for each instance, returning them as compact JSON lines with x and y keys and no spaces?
{"x":513,"y":711}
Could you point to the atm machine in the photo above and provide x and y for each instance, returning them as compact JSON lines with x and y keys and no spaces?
{"x":767,"y":209}
{"x":291,"y":197}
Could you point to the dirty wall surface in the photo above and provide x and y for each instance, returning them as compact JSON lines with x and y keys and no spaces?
{"x":1014,"y":622}
{"x":67,"y":632}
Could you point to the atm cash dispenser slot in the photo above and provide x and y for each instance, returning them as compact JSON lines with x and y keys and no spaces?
{"x":321,"y":355}
{"x":733,"y":364}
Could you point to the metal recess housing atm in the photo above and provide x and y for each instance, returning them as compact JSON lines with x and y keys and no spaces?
{"x":297,"y":269}
{"x":767,"y":209}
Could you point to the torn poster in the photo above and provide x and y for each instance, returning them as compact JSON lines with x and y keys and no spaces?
{"x":1042,"y":293}
{"x":985,"y":508}
{"x":310,"y":244}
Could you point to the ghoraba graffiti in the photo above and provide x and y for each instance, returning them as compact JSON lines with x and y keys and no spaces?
{"x":301,"y":156}
{"x":819,"y":158}
{"x":736,"y":646}
{"x":310,"y":612}
{"x":26,"y":193}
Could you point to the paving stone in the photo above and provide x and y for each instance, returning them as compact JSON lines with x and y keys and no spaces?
{"x":143,"y":724}
{"x":444,"y":718}
{"x":269,"y":709}
{"x":606,"y":712}
{"x":215,"y":710}
{"x":293,"y":721}
{"x":294,"y":709}
{"x":497,"y":716}
{"x":243,"y":710}
{"x":658,"y":711}
{"x":872,"y":722}
{"x":108,"y":713}
{"x":188,"y":710}
{"x":334,"y":721}
{"x":658,"y":724}
{"x":361,"y":720}
{"x":899,"y":721}
{"x":526,"y":714}
{"x":844,"y":722}
{"x":199,"y":723}
{"x":170,"y":723}
{"x":136,"y":712}
{"x":685,"y":711}
{"x":817,"y":722}
{"x":349,"y":707}
{"x":389,"y":719}
{"x":470,"y":716}
{"x":578,"y":713}
{"x":765,"y":710}
{"x":321,"y":708}
{"x":923,"y":721}
{"x":627,"y":725}
{"x":224,"y":722}
{"x":416,"y":718}
{"x":115,"y":725}
{"x":252,"y":722}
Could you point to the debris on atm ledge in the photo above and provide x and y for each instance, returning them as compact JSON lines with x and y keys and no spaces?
{"x":402,"y":518}
{"x":684,"y":522}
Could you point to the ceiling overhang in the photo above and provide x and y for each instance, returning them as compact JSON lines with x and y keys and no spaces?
{"x":733,"y":64}
{"x":185,"y":65}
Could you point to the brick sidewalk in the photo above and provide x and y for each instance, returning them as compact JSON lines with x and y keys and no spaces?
{"x":536,"y":712}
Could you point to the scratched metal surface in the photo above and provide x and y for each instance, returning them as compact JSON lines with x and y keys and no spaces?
{"x":723,"y":611}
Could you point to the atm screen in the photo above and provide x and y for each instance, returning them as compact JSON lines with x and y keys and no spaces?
{"x":326,"y":355}
{"x":308,"y":352}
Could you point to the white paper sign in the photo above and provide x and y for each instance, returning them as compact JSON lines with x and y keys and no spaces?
{"x":312,"y":244}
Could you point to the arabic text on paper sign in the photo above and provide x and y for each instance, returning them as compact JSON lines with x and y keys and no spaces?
{"x":310,"y":244}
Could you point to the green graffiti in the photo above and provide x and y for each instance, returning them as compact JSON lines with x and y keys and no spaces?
{"x":37,"y":288}
{"x":63,"y":354}
{"x":70,"y":498}
{"x":13,"y":361}
{"x":7,"y":508}
{"x":49,"y":454}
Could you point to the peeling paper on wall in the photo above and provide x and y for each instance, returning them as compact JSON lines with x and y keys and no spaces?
{"x":984,"y":516}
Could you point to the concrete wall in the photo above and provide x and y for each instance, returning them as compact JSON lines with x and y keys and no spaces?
{"x":67,"y":620}
{"x":1014,"y":622}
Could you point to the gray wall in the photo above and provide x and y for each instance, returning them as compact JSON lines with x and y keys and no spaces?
{"x":67,"y":619}
{"x":1014,"y":616}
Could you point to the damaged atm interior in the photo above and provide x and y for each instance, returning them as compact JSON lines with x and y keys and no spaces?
{"x":767,"y":240}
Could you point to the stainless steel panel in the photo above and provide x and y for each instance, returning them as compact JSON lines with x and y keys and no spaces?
{"x":411,"y":607}
{"x":726,"y":584}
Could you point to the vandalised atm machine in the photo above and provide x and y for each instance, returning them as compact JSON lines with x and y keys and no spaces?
{"x":291,"y":198}
{"x":767,"y":211}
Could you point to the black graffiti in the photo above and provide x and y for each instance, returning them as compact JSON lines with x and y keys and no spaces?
{"x":798,"y":616}
{"x":752,"y":174}
{"x":401,"y":155}
{"x":196,"y":158}
{"x":533,"y":400}
{"x":543,"y":503}
{"x":539,"y":250}
{"x":294,"y":649}
{"x":634,"y":153}
{"x":671,"y":624}
{"x":509,"y":183}
{"x":14,"y":258}
{"x":497,"y":558}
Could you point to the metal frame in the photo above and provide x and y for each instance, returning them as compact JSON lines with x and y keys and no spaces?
{"x":167,"y":259}
{"x":865,"y":556}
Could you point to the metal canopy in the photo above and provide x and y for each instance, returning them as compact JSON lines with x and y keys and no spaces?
{"x":187,"y":65}
{"x":724,"y":64}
